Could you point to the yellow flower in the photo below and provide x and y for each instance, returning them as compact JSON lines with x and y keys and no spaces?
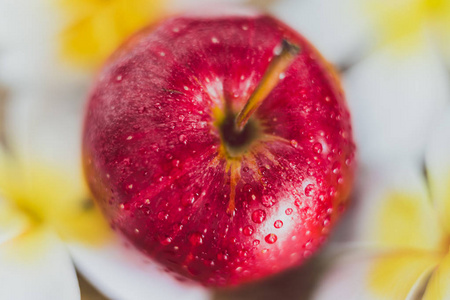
{"x":346,"y":31}
{"x":97,"y":27}
{"x":50,"y":195}
{"x":395,"y":19}
{"x":401,"y":230}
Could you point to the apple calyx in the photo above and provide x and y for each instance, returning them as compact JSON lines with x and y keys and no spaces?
{"x":280,"y":62}
{"x":239,"y":131}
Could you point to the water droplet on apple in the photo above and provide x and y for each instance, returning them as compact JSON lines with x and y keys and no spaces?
{"x":162,"y":215}
{"x":177,"y":227}
{"x":258,"y":216}
{"x":268,"y":201}
{"x":119,"y":78}
{"x":288,"y":211}
{"x":271,"y":238}
{"x":176,"y":163}
{"x":187,"y":200}
{"x":255,"y":242}
{"x":294,"y":143}
{"x":308,"y":245}
{"x":332,"y":191}
{"x":278,"y":224}
{"x":336,"y":167}
{"x":317,"y":148}
{"x":340,"y":180}
{"x":165,"y":240}
{"x":214,"y":40}
{"x":222,"y":256}
{"x":243,"y":253}
{"x":248,"y":230}
{"x":196,"y":239}
{"x":247,"y":188}
{"x":348,"y":161}
{"x":182,"y":138}
{"x":263,"y":171}
{"x":145,"y":210}
{"x":309,"y":190}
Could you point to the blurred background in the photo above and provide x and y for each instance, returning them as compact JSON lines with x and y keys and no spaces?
{"x":393,"y":56}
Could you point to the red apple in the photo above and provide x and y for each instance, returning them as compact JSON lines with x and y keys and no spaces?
{"x":175,"y":166}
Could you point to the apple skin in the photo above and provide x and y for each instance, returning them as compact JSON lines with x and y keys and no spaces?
{"x":156,"y":159}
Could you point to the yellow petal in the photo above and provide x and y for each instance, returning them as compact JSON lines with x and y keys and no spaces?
{"x":369,"y":275}
{"x":441,"y":27}
{"x":393,"y":276}
{"x":55,"y":197}
{"x":12,"y":221}
{"x":61,"y":199}
{"x":395,"y":211}
{"x":396,"y":19}
{"x":98,"y":27}
{"x":405,"y":220}
{"x":439,"y":286}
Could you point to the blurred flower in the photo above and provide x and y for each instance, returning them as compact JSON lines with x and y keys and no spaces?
{"x":96,"y":27}
{"x":46,"y":62}
{"x":400,"y":234}
{"x":346,"y":30}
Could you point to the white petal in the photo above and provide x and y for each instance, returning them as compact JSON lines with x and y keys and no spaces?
{"x":37,"y":67}
{"x":392,"y":210}
{"x":121,"y":272}
{"x":45,"y":124}
{"x":24,"y":23}
{"x":36,"y":265}
{"x":438,"y":167}
{"x":337,"y":28}
{"x":394,"y":96}
{"x":376,"y":276}
{"x":219,"y":8}
{"x":29,"y":44}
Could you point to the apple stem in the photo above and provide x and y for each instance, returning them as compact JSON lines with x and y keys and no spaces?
{"x":270,"y":79}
